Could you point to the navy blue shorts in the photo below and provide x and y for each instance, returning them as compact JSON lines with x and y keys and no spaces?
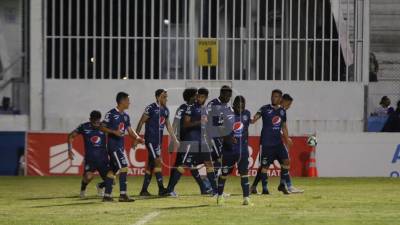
{"x":154,"y":152}
{"x":118,"y":159}
{"x":100,"y":165}
{"x":229,"y":161}
{"x":271,"y":153}
{"x":217,"y":145}
{"x":195,"y":154}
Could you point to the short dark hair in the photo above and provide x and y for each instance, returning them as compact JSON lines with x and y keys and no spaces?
{"x":287,"y":97}
{"x":159,"y":92}
{"x":239,"y":99}
{"x":188,"y":93}
{"x":203,"y":91}
{"x":278,"y":91}
{"x":95,"y":115}
{"x":384,"y":98}
{"x":121,"y":96}
{"x":225,"y":89}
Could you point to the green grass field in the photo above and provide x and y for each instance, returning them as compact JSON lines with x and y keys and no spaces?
{"x":54,"y":200}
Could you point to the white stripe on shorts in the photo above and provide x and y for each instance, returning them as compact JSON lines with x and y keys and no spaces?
{"x":116,"y":158}
{"x":186,"y":154}
{"x":152,"y":150}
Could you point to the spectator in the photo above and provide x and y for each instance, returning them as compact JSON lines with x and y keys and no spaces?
{"x":373,"y":68}
{"x":384,"y":109}
{"x":393,"y":122}
{"x":5,"y":106}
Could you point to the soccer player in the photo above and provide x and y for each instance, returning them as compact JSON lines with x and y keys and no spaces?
{"x":197,"y":147}
{"x":118,"y":119}
{"x":156,"y":117}
{"x":189,"y":96}
{"x":235,"y":149}
{"x":96,"y":157}
{"x":273,"y":131}
{"x":286,"y":103}
{"x":216,"y":109}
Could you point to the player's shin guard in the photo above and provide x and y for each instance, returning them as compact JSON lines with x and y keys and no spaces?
{"x":264,"y":180}
{"x":257,"y":178}
{"x":196,"y":175}
{"x":211,"y":178}
{"x":159,"y":178}
{"x":146,"y":180}
{"x":285,"y":177}
{"x":122,"y":182}
{"x":83,"y":185}
{"x":173,"y":180}
{"x":244,"y":181}
{"x":221,"y":184}
{"x":108,"y":183}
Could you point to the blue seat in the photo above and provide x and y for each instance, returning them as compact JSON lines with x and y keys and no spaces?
{"x":376,"y":123}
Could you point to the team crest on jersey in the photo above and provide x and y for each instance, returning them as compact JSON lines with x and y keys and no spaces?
{"x":269,"y":111}
{"x":121,"y":126}
{"x":95,"y":139}
{"x":162,"y":120}
{"x":282,"y":113}
{"x":238,"y":127}
{"x":126,"y":118}
{"x":245,"y":117}
{"x":276,"y":120}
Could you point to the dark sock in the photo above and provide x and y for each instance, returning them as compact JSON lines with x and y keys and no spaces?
{"x":221,"y":185}
{"x":213,"y":183}
{"x":196,"y":175}
{"x":173,"y":180}
{"x":108,"y":184}
{"x":264,"y":181}
{"x":172,"y":172}
{"x":122,"y":183}
{"x":83,"y":185}
{"x":146,"y":181}
{"x":102,"y":184}
{"x":244,"y":181}
{"x":159,"y":180}
{"x":285,"y":176}
{"x":257,"y":178}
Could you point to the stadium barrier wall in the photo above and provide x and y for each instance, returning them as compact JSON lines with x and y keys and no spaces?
{"x":12,"y":146}
{"x":47,"y":156}
{"x":358,"y":155}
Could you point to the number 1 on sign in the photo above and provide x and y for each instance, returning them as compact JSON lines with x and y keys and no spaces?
{"x":209,"y":55}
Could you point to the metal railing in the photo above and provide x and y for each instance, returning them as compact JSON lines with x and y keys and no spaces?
{"x":300,"y":40}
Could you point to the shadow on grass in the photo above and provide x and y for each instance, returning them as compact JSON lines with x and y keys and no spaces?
{"x":57,"y":197}
{"x":69,"y":204}
{"x":184,"y":207}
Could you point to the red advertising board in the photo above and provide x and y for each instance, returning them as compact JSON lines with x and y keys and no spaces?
{"x":46,"y":155}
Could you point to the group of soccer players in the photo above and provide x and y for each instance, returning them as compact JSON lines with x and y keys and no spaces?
{"x":214,"y":135}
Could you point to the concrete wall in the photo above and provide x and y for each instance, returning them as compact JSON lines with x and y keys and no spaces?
{"x":317,"y":106}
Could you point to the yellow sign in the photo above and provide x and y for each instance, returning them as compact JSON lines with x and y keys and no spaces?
{"x":207,"y":52}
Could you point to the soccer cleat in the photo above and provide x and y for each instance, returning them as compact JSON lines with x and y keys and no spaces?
{"x":145,"y":193}
{"x":82,"y":195}
{"x":173,"y":194}
{"x":125,"y":198}
{"x":226,"y":195}
{"x":246,"y":201}
{"x":265,"y":192}
{"x":220,"y":200}
{"x":100,"y":191}
{"x":283,"y":189}
{"x":207,"y":192}
{"x":253,"y":190}
{"x":108,"y":199}
{"x":294,"y":190}
{"x":163,"y":192}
